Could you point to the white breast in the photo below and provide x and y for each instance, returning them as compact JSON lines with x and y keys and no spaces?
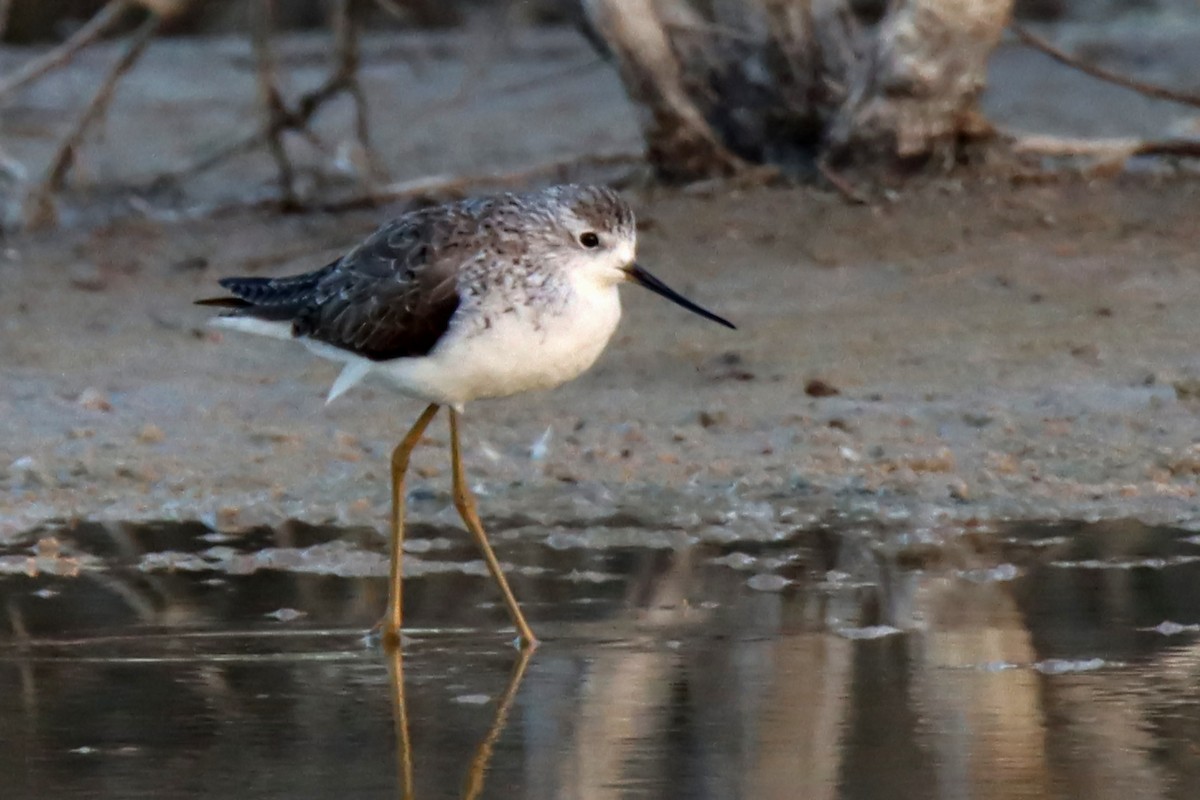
{"x":517,"y":351}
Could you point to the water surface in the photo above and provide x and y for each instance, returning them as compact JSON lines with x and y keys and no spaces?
{"x":1031,"y":661}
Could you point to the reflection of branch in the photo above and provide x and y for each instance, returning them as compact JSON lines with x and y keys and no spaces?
{"x":96,"y":27}
{"x":41,"y":209}
{"x":1100,"y":73}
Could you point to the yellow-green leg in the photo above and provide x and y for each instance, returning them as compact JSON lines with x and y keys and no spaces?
{"x":390,"y":625}
{"x":464,"y":501}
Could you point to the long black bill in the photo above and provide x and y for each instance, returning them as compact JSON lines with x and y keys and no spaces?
{"x":644,"y":278}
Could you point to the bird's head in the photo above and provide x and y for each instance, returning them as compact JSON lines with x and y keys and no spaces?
{"x":595,"y":232}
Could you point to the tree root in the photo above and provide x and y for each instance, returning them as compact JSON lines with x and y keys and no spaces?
{"x":1100,"y":73}
{"x":1117,"y":149}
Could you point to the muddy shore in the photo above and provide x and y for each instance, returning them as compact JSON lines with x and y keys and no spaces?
{"x":974,"y":350}
{"x":970,"y":353}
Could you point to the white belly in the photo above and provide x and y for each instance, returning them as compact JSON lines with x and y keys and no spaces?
{"x":515,"y":353}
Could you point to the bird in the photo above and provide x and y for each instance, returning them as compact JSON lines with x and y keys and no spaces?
{"x":482,"y":297}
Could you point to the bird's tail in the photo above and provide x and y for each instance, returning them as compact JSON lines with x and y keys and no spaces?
{"x":268,"y":298}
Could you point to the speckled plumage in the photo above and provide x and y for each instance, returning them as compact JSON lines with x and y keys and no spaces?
{"x":478,"y":298}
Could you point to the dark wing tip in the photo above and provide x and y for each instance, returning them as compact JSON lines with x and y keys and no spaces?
{"x":235,"y":285}
{"x":222,"y":302}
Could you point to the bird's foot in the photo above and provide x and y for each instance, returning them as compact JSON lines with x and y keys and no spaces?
{"x":384,"y":633}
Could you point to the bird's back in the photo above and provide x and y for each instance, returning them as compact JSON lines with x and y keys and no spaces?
{"x":390,"y":297}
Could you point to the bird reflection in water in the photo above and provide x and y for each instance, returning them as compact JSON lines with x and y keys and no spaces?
{"x":477,"y":769}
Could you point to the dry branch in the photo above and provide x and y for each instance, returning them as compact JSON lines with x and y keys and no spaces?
{"x":5,"y":14}
{"x":97,"y":26}
{"x":272,"y":99}
{"x":769,"y":75}
{"x":917,"y":96}
{"x":842,"y":185}
{"x":346,"y":59}
{"x":40,"y":207}
{"x":1117,"y":149}
{"x":798,"y":83}
{"x":679,"y":142}
{"x":1100,"y":73}
{"x":445,"y":186}
{"x":282,"y":117}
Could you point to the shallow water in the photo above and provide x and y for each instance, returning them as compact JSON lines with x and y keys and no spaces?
{"x":1028,"y":661}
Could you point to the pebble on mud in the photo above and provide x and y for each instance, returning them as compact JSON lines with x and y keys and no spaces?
{"x":1187,"y":389}
{"x":27,"y":472}
{"x":347,"y":441}
{"x":286,"y":614}
{"x":768,"y":583}
{"x":227,"y":517}
{"x":93,"y":399}
{"x":730,"y":366}
{"x":942,"y":460}
{"x":88,"y":277}
{"x":151,"y":434}
{"x":817,"y":387}
{"x":1186,"y":463}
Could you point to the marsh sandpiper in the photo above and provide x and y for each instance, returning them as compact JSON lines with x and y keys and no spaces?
{"x":478,"y":298}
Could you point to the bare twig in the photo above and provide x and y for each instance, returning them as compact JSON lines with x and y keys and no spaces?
{"x":1100,"y":73}
{"x":96,"y":27}
{"x":841,"y":184}
{"x":243,"y":144}
{"x":41,"y":204}
{"x":5,"y":13}
{"x":558,"y":170}
{"x":272,"y":100}
{"x":11,"y":168}
{"x":248,"y":141}
{"x":1105,"y":149}
{"x":282,"y":118}
{"x":392,"y":9}
{"x":346,"y":55}
{"x":482,"y":46}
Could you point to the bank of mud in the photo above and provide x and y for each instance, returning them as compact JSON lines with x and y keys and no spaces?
{"x":972,"y":351}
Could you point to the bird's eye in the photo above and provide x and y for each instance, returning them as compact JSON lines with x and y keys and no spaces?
{"x":589,"y":239}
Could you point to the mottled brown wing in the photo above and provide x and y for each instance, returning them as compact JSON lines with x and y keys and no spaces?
{"x":390,"y":297}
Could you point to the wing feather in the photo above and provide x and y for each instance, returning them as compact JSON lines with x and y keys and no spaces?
{"x":390,"y":297}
